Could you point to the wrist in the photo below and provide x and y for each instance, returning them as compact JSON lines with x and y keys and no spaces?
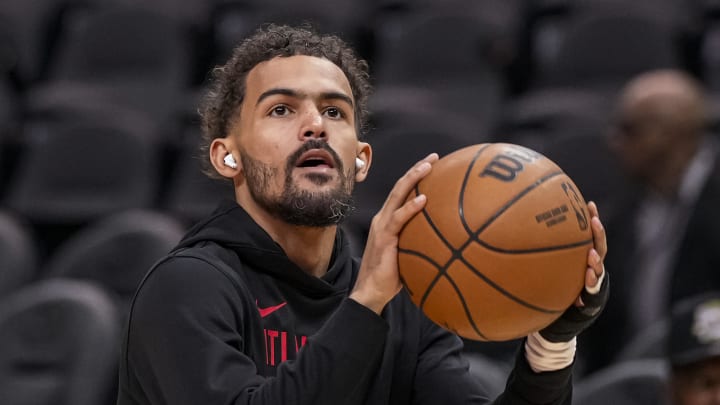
{"x":370,"y":300}
{"x":543,"y":355}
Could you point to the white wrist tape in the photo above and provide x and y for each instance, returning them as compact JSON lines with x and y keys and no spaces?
{"x":543,"y":355}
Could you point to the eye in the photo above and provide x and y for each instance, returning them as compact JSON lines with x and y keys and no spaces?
{"x":334,"y":112}
{"x":279,"y":111}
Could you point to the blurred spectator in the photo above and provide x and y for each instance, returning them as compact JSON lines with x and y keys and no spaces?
{"x":694,"y":351}
{"x":686,"y":373}
{"x":663,"y":236}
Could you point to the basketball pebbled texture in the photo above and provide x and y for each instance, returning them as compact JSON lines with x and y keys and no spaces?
{"x":500,"y":249}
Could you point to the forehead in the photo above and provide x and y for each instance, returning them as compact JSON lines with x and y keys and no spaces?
{"x":639,"y":99}
{"x":307,"y":74}
{"x":657,"y":92}
{"x":644,"y":107}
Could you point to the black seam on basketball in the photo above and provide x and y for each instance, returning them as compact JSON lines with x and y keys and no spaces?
{"x":506,"y":293}
{"x":535,"y":250}
{"x":461,"y":209}
{"x":420,"y":255}
{"x":465,"y":307}
{"x":455,"y":287}
{"x":455,"y":253}
{"x":512,"y":201}
{"x":475,"y":237}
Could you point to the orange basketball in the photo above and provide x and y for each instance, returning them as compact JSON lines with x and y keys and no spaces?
{"x":500,"y":249}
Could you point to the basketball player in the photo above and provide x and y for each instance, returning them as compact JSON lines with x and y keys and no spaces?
{"x":261,"y":303}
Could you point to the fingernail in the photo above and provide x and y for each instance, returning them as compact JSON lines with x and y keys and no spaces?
{"x":420,"y":198}
{"x":424,"y":166}
{"x":595,"y":256}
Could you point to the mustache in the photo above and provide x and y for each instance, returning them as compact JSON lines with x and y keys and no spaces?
{"x":315,"y":144}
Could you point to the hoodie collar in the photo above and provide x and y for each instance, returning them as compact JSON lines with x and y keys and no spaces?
{"x":232,"y":227}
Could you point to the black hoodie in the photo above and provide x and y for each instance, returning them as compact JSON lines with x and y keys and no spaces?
{"x":227,"y":318}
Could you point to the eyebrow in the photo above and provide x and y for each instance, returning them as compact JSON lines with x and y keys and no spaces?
{"x":328,"y":95}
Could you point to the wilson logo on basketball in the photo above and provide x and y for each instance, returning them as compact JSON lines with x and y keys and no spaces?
{"x":506,"y":166}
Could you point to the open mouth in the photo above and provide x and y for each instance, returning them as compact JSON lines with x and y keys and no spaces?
{"x":316,"y":158}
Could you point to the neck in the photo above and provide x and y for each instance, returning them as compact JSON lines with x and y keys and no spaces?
{"x":310,"y":248}
{"x":669,"y":183}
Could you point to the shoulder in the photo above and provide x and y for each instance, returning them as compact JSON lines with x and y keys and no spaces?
{"x":191,"y":278}
{"x":184,"y":269}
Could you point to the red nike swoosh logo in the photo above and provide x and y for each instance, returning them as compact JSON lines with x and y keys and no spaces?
{"x":269,"y":310}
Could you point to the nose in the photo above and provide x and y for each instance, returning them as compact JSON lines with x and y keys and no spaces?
{"x":313,"y":126}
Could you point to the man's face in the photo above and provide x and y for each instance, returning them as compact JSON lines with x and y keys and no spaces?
{"x":638,"y":139}
{"x":297,"y":140}
{"x":698,"y":384}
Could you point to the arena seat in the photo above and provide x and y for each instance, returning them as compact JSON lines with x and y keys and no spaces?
{"x":59,"y":342}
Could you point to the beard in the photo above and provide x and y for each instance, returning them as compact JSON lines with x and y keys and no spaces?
{"x":297,"y":206}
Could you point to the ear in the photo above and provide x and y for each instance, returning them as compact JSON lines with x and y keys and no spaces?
{"x":364,"y":153}
{"x":219,"y":149}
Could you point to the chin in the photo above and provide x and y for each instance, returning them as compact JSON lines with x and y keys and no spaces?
{"x":319,"y":179}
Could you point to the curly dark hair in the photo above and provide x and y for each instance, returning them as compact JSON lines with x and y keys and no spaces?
{"x":227,"y":88}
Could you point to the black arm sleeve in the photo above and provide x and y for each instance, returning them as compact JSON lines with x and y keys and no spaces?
{"x":443,"y":377}
{"x":185,"y":339}
{"x":526,"y":387}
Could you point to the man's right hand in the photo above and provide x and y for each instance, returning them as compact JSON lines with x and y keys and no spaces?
{"x":379,"y":280}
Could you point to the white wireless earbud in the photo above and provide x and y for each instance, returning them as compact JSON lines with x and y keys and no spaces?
{"x":359,"y":163}
{"x":230,"y":161}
